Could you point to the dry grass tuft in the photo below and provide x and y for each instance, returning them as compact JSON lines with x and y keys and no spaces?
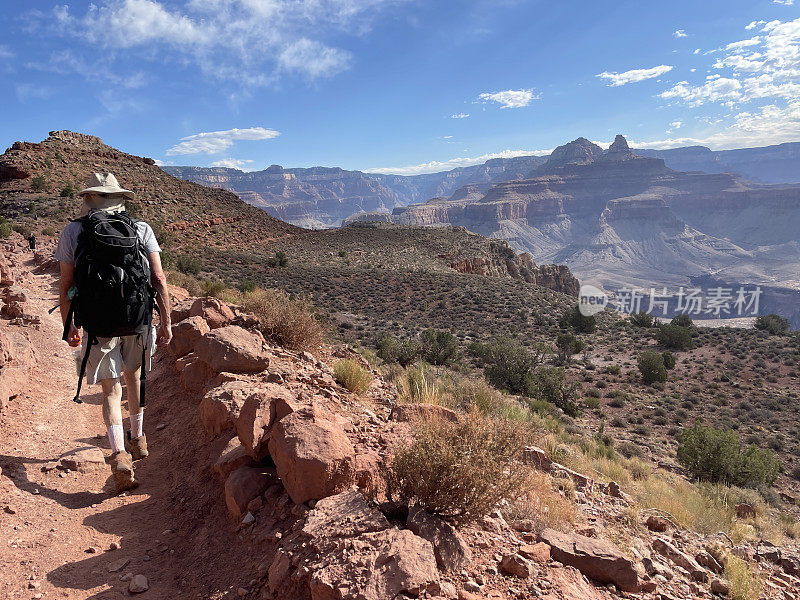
{"x":352,"y":375}
{"x":283,"y":320}
{"x":460,"y":471}
{"x":542,"y":505}
{"x":745,"y":585}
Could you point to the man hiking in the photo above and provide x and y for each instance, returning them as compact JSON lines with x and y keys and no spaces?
{"x":111,"y":280}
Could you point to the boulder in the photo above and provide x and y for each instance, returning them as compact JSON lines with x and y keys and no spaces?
{"x":704,"y":559}
{"x":138,"y":584}
{"x":517,"y":565}
{"x":581,"y":481}
{"x":83,"y":460}
{"x":422,"y":411}
{"x":232,"y":457}
{"x":313,"y":455}
{"x":538,"y":552}
{"x":258,"y":413}
{"x":450,"y":549}
{"x":233,"y":349}
{"x":597,"y":559}
{"x":720,"y":587}
{"x":683,"y":560}
{"x":536,"y":457}
{"x":14,"y":293}
{"x":195,"y":373}
{"x":186,"y":334}
{"x":243,"y":485}
{"x":376,"y":566}
{"x":181,"y":309}
{"x":347,"y":514}
{"x":221,"y":406}
{"x":214,"y":311}
{"x":655,"y":523}
{"x":791,"y":565}
{"x":6,"y":272}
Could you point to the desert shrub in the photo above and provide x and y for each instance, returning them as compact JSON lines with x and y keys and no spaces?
{"x":350,"y":374}
{"x":213,"y":288}
{"x":5,"y":228}
{"x":23,"y":230}
{"x":717,"y":455}
{"x":675,"y":337}
{"x":508,"y":365}
{"x":642,"y":319}
{"x":49,"y":231}
{"x":459,"y":471}
{"x":744,"y":584}
{"x":651,"y":366}
{"x":438,"y":347}
{"x":567,"y":345}
{"x":284,"y":320}
{"x":392,"y":350}
{"x":573,"y":317}
{"x":38,"y":183}
{"x":187,"y":282}
{"x":682,"y":321}
{"x":246,"y":286}
{"x":419,"y":385}
{"x":67,"y":191}
{"x":772,"y":323}
{"x":542,"y":505}
{"x":279,"y":260}
{"x":795,"y":473}
{"x":669,"y":360}
{"x":551,"y":384}
{"x":188,"y":265}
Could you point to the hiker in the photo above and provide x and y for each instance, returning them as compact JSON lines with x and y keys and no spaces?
{"x":111,"y":280}
{"x":32,"y":242}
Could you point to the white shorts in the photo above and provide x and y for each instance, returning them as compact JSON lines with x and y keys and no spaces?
{"x":111,"y":356}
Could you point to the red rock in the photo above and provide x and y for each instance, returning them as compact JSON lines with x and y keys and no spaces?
{"x":745,"y":511}
{"x":532,"y":455}
{"x":659,"y":524}
{"x":83,"y":460}
{"x":14,"y":293}
{"x":186,"y":334}
{"x":181,"y":309}
{"x":313,"y":455}
{"x":233,"y":456}
{"x":257,"y":415}
{"x":516,"y":565}
{"x":425,"y":412}
{"x":368,"y":471}
{"x":9,"y":171}
{"x":720,"y":587}
{"x":6,"y":273}
{"x":195,"y":373}
{"x":214,"y":311}
{"x":243,"y":485}
{"x":681,"y":559}
{"x":233,"y":349}
{"x":597,"y":559}
{"x":539,"y":552}
{"x":221,"y":406}
{"x":450,"y":549}
{"x":347,"y":514}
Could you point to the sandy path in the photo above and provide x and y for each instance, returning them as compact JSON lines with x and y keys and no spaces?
{"x":56,"y":528}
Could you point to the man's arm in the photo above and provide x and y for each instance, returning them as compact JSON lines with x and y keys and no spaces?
{"x":159,"y":281}
{"x":65,"y":282}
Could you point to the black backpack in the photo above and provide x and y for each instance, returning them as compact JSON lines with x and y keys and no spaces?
{"x":113,"y":295}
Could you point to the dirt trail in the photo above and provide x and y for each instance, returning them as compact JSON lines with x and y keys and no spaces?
{"x":57,"y":528}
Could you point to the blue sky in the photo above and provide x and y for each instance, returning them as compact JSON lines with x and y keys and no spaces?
{"x":405,"y":86}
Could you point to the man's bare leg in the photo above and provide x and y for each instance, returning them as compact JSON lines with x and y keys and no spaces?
{"x":138,"y":440}
{"x":121,"y":462}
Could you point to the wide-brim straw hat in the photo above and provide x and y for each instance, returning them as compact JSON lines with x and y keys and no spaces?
{"x":105,"y":183}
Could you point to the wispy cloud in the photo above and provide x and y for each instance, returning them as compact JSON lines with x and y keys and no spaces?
{"x":231,"y":163}
{"x":784,"y":2}
{"x":453,"y":163}
{"x":251,"y":42}
{"x":616,"y":79}
{"x":28,"y":91}
{"x":459,"y":116}
{"x":679,"y":33}
{"x":510,"y":98}
{"x":214,"y":142}
{"x":676,"y":124}
{"x":5,"y":53}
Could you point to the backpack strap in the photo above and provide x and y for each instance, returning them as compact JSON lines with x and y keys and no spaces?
{"x":91,"y":340}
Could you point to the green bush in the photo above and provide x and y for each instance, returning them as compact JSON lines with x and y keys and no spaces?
{"x":717,"y":455}
{"x":212,"y":288}
{"x":5,"y":228}
{"x":682,"y":321}
{"x":572,"y":317}
{"x":67,"y":191}
{"x":38,"y":183}
{"x":772,"y":323}
{"x":350,"y":374}
{"x":438,"y":347}
{"x":551,"y":384}
{"x":669,"y":359}
{"x":246,"y":286}
{"x":279,"y":260}
{"x":675,"y":337}
{"x":651,"y":366}
{"x":188,"y":265}
{"x":508,"y":365}
{"x":642,"y":319}
{"x":567,"y":345}
{"x":392,"y":350}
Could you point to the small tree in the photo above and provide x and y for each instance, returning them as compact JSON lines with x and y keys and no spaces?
{"x":669,"y":360}
{"x":651,"y":366}
{"x":642,"y":319}
{"x":508,"y":365}
{"x":551,"y":385}
{"x":567,"y":345}
{"x":772,"y":323}
{"x":38,"y":183}
{"x":67,"y":191}
{"x":682,"y":321}
{"x":573,"y":317}
{"x":392,"y":350}
{"x":675,"y":337}
{"x":438,"y":347}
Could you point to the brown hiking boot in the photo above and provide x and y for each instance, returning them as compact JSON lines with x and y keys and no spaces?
{"x":138,"y":448}
{"x":122,"y":470}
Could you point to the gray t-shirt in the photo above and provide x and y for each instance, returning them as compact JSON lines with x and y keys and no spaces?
{"x":65,"y":252}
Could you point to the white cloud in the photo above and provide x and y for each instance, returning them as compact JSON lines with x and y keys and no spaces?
{"x":214,"y":142}
{"x":721,"y":89}
{"x":251,"y":42}
{"x":453,"y":163}
{"x":510,"y":98}
{"x":314,"y":59}
{"x":740,"y":45}
{"x":754,"y":24}
{"x":5,"y":53}
{"x":679,"y":33}
{"x":784,"y":2}
{"x":231,"y":163}
{"x":676,"y":124}
{"x":30,"y":91}
{"x":460,"y":116}
{"x":634,"y":75}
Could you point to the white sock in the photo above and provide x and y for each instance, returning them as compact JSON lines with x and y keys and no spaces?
{"x":116,"y":437}
{"x":137,"y":421}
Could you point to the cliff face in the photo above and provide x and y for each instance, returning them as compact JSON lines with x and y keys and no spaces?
{"x":617,"y":218}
